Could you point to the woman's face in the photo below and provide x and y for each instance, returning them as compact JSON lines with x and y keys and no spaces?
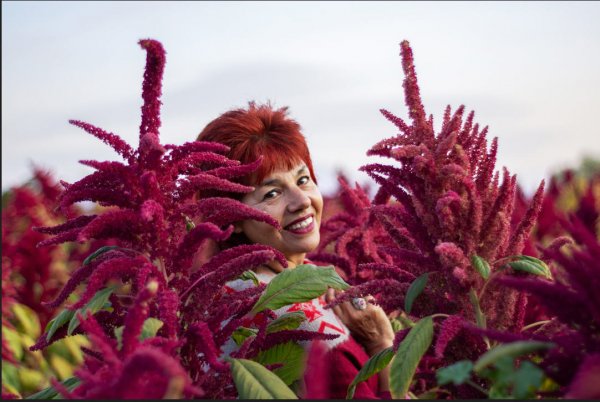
{"x":294,"y":200}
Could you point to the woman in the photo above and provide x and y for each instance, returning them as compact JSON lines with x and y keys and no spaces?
{"x":285,"y":187}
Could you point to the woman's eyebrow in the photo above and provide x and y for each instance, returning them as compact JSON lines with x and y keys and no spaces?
{"x":301,"y":170}
{"x":272,"y":182}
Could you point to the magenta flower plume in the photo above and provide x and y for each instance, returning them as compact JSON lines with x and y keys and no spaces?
{"x":440,"y":208}
{"x":573,"y":300}
{"x":207,"y":345}
{"x":448,"y":331}
{"x":225,"y":211}
{"x":135,"y":318}
{"x":152,"y":87}
{"x":448,"y":207}
{"x":118,"y":144}
{"x":159,"y":228}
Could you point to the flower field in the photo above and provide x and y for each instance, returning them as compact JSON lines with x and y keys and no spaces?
{"x":492,"y":294}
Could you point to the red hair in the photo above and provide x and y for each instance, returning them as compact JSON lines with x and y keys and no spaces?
{"x":260,"y":130}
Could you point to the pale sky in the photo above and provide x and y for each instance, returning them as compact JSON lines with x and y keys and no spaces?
{"x":528,"y":69}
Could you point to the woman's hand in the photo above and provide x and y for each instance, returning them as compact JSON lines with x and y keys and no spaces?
{"x":370,"y":327}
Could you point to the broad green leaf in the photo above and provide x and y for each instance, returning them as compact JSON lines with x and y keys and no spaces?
{"x":254,"y":381}
{"x":456,"y":373}
{"x":286,"y":321}
{"x":408,"y":356}
{"x":96,"y":303}
{"x":290,"y":354}
{"x":51,"y":393}
{"x":528,"y":379}
{"x":58,"y":321}
{"x":481,"y":266}
{"x":512,"y":349}
{"x":97,"y":253}
{"x":303,"y":283}
{"x":532,"y":267}
{"x":374,"y":365}
{"x":241,"y":333}
{"x":415,"y":290}
{"x":149,"y":329}
{"x":249,"y":276}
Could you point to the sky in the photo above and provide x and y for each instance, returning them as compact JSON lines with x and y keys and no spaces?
{"x":529,"y":70}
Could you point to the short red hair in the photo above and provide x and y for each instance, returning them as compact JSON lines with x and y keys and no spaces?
{"x":260,"y":130}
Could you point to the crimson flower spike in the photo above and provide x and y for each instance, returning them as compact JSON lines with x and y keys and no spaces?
{"x":152,"y":86}
{"x":150,"y":150}
{"x":413,"y":97}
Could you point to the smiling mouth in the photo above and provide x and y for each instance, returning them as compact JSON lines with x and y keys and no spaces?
{"x":301,"y":225}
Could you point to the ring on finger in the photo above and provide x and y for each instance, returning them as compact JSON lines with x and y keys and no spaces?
{"x":359,"y":303}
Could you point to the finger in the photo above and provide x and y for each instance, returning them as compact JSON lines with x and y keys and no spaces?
{"x":340,"y":312}
{"x":371,"y":299}
{"x":330,"y":295}
{"x":351,"y":311}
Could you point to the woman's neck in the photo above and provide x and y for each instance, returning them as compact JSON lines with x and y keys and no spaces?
{"x":274,"y":267}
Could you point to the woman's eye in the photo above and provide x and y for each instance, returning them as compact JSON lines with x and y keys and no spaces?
{"x":270,"y":195}
{"x":303,"y":180}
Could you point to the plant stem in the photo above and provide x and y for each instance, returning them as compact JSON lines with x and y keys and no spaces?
{"x":439,"y":315}
{"x":477,"y":387}
{"x":479,"y":316}
{"x":535,"y":324}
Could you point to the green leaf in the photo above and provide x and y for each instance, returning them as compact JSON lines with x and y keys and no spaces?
{"x":13,"y":338}
{"x":97,"y":303}
{"x":528,"y":379}
{"x":51,"y":393}
{"x":249,"y":276}
{"x":408,"y":356}
{"x":97,"y":253}
{"x":512,"y":349}
{"x":62,"y":318}
{"x":374,"y":365}
{"x":27,"y":320}
{"x":286,"y":321}
{"x":290,"y":354}
{"x":189,"y":223}
{"x":456,"y":373}
{"x":531,"y":265}
{"x":254,"y":381}
{"x":241,"y":333}
{"x":149,"y":329}
{"x":10,"y":377}
{"x":415,"y":290}
{"x":481,"y":266}
{"x":303,"y":283}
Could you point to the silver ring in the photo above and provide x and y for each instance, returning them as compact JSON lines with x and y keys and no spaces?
{"x":359,"y":303}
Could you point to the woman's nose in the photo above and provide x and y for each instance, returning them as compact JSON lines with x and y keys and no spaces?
{"x":298,"y":200}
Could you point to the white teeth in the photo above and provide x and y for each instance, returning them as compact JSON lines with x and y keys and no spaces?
{"x":302,"y":224}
